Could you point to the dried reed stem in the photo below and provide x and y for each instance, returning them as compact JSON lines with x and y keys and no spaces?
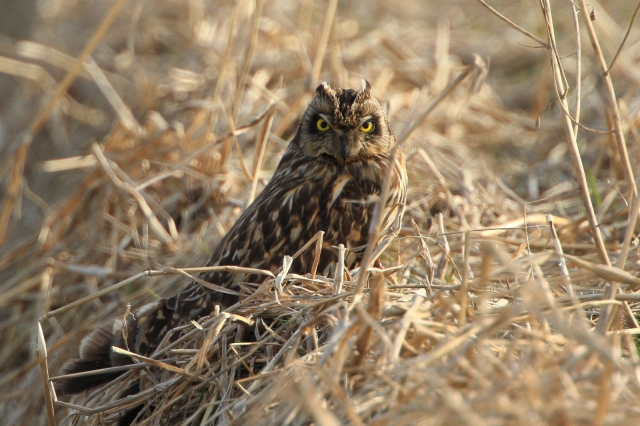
{"x":257,"y":160}
{"x":607,"y":314}
{"x":329,"y":19}
{"x":44,"y":371}
{"x":571,"y":137}
{"x":613,"y":102}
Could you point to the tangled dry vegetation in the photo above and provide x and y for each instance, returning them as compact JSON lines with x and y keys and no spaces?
{"x":478,"y":317}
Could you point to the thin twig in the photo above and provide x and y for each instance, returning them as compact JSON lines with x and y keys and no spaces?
{"x":464,"y":288}
{"x":629,"y":233}
{"x":562,"y":264}
{"x":613,"y":104}
{"x":514,"y":25}
{"x":572,"y":142}
{"x":329,"y":19}
{"x":317,"y":253}
{"x":444,"y":243}
{"x":624,"y":40}
{"x":607,"y":314}
{"x":248,"y":56}
{"x":339,"y":275}
{"x":124,"y":113}
{"x":576,"y":26}
{"x":153,"y":221}
{"x":257,"y":159}
{"x":44,"y":371}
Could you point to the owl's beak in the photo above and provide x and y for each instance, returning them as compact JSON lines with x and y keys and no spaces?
{"x":344,"y":144}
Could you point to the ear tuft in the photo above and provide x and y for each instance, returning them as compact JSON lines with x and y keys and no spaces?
{"x":365,"y":87}
{"x":324,"y":89}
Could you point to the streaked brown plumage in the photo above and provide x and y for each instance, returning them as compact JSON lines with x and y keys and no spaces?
{"x":327,"y":180}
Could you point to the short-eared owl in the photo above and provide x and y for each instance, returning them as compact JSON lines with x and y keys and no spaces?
{"x":328,"y":180}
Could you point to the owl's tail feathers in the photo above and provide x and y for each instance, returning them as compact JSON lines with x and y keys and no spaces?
{"x":96,"y":354}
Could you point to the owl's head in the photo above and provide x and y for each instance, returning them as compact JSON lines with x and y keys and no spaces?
{"x":344,"y":126}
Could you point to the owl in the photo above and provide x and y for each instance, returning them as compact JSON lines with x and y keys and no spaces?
{"x":328,"y":179}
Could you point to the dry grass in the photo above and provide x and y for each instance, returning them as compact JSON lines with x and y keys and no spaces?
{"x":478,"y":319}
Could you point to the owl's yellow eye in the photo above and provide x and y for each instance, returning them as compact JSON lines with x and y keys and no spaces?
{"x":367,"y":127}
{"x":322,"y":125}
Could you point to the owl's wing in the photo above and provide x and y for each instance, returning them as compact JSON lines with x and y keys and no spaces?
{"x":394,"y":208}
